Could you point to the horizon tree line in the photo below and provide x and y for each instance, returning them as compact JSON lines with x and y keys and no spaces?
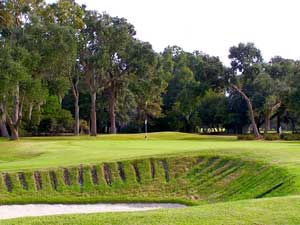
{"x":64,"y":68}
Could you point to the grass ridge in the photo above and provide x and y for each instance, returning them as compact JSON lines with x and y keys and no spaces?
{"x":211,"y":179}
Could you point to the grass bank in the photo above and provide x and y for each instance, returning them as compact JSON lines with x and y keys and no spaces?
{"x":191,"y":180}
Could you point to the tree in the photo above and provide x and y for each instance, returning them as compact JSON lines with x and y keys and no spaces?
{"x":60,"y":67}
{"x":14,"y":77}
{"x":92,"y":60}
{"x":293,"y":96}
{"x":212,"y":110}
{"x":282,"y":70}
{"x":4,"y":76}
{"x":236,"y":119}
{"x":246,"y":60}
{"x":10,"y":17}
{"x":105,"y":59}
{"x":117,"y":42}
{"x":190,"y":76}
{"x":183,"y":91}
{"x":270,"y":90}
{"x":69,"y":14}
{"x":35,"y":52}
{"x":187,"y":98}
{"x":147,"y":81}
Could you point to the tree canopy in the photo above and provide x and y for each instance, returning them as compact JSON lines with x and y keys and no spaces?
{"x":66,"y":69}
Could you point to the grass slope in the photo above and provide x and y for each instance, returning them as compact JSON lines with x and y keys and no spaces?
{"x":192,"y":180}
{"x":284,"y":210}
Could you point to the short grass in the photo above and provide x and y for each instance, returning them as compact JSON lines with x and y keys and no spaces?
{"x":36,"y":153}
{"x":284,"y":210}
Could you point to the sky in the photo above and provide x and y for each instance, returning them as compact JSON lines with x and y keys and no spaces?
{"x":211,"y":26}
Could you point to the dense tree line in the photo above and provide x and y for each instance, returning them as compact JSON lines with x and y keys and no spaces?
{"x":66,"y":69}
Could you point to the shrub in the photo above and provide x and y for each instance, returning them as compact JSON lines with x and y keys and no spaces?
{"x":84,"y":127}
{"x":54,"y":119}
{"x":246,"y":137}
{"x":65,"y":121}
{"x":290,"y":137}
{"x":57,"y":123}
{"x":47,"y":124}
{"x":272,"y":137}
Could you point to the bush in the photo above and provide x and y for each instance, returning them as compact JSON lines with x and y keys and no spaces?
{"x":47,"y":125}
{"x":246,"y":137}
{"x":84,"y":127}
{"x":272,"y":137}
{"x":65,"y":121}
{"x":61,"y":122}
{"x":290,"y":137}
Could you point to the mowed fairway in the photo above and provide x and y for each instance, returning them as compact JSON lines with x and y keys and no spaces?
{"x":281,"y":211}
{"x":229,"y":172}
{"x":47,"y":152}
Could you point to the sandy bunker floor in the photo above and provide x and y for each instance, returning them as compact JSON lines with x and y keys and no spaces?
{"x":14,"y":211}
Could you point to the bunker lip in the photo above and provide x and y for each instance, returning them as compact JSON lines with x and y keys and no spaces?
{"x":28,"y":210}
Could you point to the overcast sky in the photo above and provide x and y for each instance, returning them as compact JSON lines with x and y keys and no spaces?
{"x":212,"y":26}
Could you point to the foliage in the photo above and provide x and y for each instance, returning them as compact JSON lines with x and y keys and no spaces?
{"x":54,"y":119}
{"x":190,"y":75}
{"x":272,"y":137}
{"x":103,"y":74}
{"x":84,"y":127}
{"x":212,"y":109}
{"x":246,"y":137}
{"x":290,"y":137}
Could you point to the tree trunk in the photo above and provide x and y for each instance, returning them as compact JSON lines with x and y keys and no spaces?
{"x":268,"y":115}
{"x":293,"y":125}
{"x":112,"y":110}
{"x":60,"y":99}
{"x":14,"y":127}
{"x":3,"y":128}
{"x":76,"y":106}
{"x":278,"y":123}
{"x":93,"y":114}
{"x":14,"y":121}
{"x":77,"y":120}
{"x":30,"y":111}
{"x":16,"y":104}
{"x":267,"y":123}
{"x":39,"y":113}
{"x":14,"y":133}
{"x":254,"y":126}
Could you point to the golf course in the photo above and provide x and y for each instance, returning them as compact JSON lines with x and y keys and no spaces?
{"x":222,"y":180}
{"x":149,"y":113}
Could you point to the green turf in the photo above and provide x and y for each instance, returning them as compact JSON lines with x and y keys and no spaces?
{"x":192,"y":180}
{"x":279,"y":211}
{"x":34,"y":153}
{"x":201,"y":169}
